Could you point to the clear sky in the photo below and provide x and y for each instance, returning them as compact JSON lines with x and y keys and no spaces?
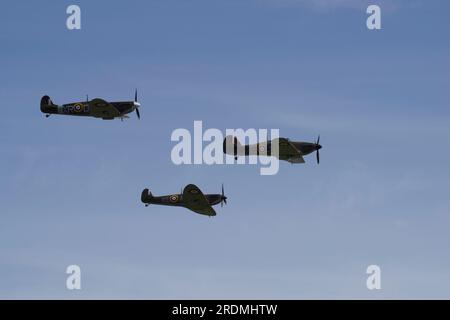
{"x":70,"y":187}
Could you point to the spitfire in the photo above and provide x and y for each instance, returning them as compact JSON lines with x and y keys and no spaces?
{"x":291,"y":151}
{"x":191,"y":198}
{"x":97,"y":108}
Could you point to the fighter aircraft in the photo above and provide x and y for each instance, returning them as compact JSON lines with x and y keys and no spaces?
{"x":97,"y":108}
{"x":191,"y":198}
{"x":291,"y":151}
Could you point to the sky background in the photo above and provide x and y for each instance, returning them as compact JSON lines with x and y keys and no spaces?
{"x":70,"y":187}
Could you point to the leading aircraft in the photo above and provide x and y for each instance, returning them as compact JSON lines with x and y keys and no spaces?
{"x":191,"y":198}
{"x":291,"y":151}
{"x":97,"y":108}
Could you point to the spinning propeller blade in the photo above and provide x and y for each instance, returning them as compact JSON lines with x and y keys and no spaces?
{"x":224,"y":199}
{"x":137,"y":105}
{"x":318,"y":147}
{"x":138,"y":114}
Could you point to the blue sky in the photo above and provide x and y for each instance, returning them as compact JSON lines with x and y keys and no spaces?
{"x":70,"y":187}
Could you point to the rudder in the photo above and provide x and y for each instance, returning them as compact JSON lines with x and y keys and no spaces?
{"x":47,"y":106}
{"x":146,"y":196}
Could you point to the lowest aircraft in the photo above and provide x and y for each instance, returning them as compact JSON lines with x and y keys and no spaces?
{"x":291,"y":151}
{"x":191,"y":198}
{"x":97,"y":108}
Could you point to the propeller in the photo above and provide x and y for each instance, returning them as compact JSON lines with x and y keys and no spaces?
{"x":223,"y":199}
{"x":318,"y":147}
{"x":235,"y":145}
{"x":138,"y":114}
{"x":136,"y":104}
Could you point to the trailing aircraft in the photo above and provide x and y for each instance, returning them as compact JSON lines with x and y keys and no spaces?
{"x":191,"y":198}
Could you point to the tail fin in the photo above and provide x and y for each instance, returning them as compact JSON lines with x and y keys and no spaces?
{"x":232,"y":146}
{"x":47,"y":105}
{"x":146,"y":196}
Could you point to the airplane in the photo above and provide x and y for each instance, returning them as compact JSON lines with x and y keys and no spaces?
{"x":191,"y":198}
{"x":97,"y":108}
{"x":291,"y":151}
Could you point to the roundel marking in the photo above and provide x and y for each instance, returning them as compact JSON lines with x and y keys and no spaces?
{"x":173,"y":198}
{"x":194,"y":191}
{"x":78,"y":107}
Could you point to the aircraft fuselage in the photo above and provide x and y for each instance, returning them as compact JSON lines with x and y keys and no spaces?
{"x":177,"y":200}
{"x":96,"y":108}
{"x":304,"y":147}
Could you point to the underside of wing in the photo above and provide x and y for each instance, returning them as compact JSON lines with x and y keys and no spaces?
{"x":103,"y":109}
{"x":296,"y":160}
{"x":207,"y":211}
{"x":196,"y":201}
{"x":288,"y":152}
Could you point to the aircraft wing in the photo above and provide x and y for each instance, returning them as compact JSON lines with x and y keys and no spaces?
{"x":196,"y":201}
{"x":296,"y":160}
{"x":288,"y":152}
{"x":103,"y":109}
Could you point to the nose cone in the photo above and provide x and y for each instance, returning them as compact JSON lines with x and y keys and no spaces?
{"x":319,"y":147}
{"x":136,"y":104}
